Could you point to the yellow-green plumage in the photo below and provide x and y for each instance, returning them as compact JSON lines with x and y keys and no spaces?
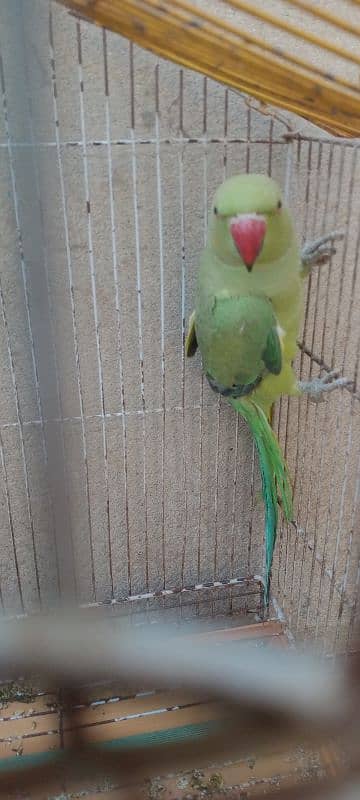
{"x":276,"y":274}
{"x":246,"y":324}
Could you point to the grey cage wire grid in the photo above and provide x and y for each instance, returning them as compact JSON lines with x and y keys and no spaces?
{"x":124,"y":482}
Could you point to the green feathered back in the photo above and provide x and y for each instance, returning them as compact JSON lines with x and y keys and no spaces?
{"x":238,"y":339}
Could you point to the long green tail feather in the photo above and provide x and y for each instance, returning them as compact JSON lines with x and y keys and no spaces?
{"x":274,"y":476}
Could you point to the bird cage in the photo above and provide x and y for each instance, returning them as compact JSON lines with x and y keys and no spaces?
{"x":125,"y":482}
{"x":127,"y":486}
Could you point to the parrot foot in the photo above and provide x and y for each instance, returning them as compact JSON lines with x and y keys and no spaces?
{"x":320,"y":250}
{"x":318,"y":387}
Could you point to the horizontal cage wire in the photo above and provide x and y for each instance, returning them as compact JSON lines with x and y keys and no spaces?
{"x":125,"y":481}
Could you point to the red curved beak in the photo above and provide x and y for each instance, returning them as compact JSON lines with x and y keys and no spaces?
{"x":248,"y":232}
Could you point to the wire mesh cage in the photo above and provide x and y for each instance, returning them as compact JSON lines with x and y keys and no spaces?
{"x":128,"y":489}
{"x":125,"y":482}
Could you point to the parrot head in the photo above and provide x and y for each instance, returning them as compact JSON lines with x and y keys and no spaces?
{"x":248,"y":223}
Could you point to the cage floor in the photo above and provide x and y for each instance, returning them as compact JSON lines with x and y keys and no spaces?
{"x":34,"y":726}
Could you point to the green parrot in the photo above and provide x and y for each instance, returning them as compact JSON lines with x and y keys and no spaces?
{"x":249,"y":305}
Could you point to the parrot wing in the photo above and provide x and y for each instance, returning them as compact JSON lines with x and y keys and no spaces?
{"x":272,"y":354}
{"x":191,"y":344}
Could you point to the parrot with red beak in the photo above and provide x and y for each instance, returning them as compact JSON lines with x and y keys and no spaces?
{"x":249,"y":304}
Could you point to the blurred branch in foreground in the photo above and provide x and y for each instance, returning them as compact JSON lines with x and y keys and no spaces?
{"x":280,"y":698}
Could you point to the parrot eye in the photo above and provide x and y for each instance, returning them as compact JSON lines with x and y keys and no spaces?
{"x":279,"y":205}
{"x":215,"y":210}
